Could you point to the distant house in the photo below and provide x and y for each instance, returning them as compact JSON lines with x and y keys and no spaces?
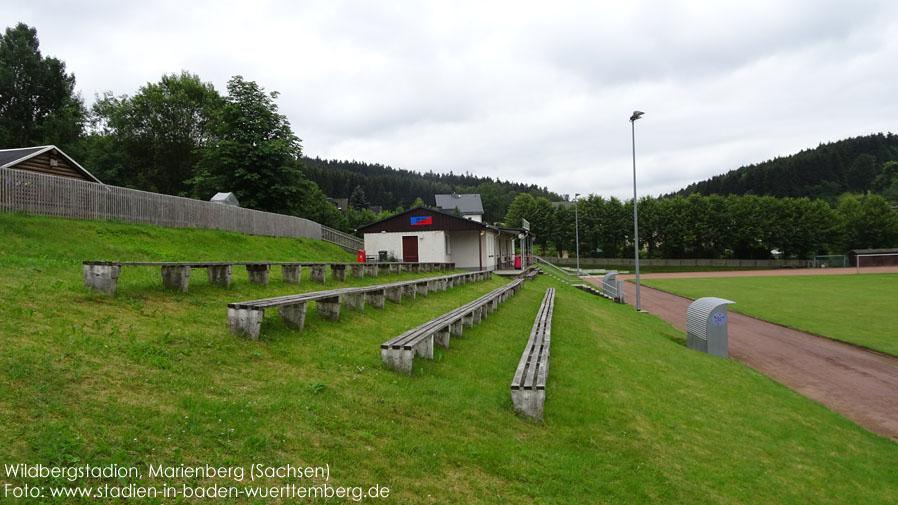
{"x":342,"y":204}
{"x":469,"y":205}
{"x":48,"y":160}
{"x":429,"y":235}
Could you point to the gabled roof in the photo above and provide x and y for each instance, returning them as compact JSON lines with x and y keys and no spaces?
{"x":467,"y":222}
{"x":11,"y":157}
{"x":467,"y":204}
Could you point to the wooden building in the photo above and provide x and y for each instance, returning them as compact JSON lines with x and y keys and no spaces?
{"x":429,"y":235}
{"x":48,"y":160}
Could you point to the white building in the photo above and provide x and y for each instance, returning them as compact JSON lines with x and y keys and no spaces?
{"x":429,"y":235}
{"x":469,"y":205}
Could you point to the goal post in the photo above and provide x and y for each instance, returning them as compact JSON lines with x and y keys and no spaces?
{"x":830,"y":261}
{"x":859,"y":257}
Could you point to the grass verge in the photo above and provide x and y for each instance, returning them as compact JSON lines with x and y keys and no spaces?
{"x":859,"y":309}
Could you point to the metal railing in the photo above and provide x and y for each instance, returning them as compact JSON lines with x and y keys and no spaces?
{"x":556,"y":271}
{"x":48,"y":195}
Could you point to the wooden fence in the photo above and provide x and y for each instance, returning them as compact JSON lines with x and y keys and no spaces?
{"x":47,"y":195}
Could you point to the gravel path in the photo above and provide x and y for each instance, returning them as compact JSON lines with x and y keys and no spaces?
{"x":860,"y":384}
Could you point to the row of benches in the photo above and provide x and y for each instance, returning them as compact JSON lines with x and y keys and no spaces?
{"x":399,"y":352}
{"x":528,"y":388}
{"x":246,"y":317}
{"x":102,"y":276}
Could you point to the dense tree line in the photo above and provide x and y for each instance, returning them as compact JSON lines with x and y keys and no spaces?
{"x":734,"y":226}
{"x":855,"y":165}
{"x":181,"y":136}
{"x":392,"y":188}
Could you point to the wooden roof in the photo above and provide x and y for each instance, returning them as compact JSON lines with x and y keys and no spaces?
{"x":48,"y":160}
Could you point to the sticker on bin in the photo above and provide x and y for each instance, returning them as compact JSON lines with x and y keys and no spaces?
{"x":719,"y":319}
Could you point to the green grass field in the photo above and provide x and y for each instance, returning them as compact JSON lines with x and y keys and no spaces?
{"x":154,"y":377}
{"x":859,"y":309}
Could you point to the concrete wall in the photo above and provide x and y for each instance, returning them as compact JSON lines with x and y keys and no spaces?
{"x":431,"y":245}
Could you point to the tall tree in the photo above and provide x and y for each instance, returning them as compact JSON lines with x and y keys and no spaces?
{"x":254,"y":153}
{"x":158,"y":132}
{"x":358,"y":200}
{"x":38,"y":103}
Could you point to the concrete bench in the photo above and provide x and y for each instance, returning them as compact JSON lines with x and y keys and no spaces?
{"x":103,"y":276}
{"x":528,"y":388}
{"x":246,"y":317}
{"x":399,"y":352}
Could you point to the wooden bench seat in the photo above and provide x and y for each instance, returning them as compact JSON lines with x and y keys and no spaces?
{"x":399,"y":352}
{"x":528,"y":388}
{"x":246,"y":317}
{"x":103,"y":276}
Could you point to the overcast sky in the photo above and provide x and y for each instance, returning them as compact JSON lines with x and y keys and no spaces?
{"x":537,"y":92}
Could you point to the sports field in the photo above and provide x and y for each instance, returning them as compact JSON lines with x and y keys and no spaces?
{"x":859,"y":309}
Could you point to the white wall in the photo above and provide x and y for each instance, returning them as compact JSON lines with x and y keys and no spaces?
{"x":466,"y":253}
{"x":431,"y":245}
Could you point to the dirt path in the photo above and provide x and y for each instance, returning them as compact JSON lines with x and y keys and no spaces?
{"x":859,"y":384}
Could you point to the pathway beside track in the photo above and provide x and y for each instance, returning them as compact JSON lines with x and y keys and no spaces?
{"x":855,"y":382}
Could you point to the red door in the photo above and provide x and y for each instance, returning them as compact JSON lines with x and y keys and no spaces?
{"x":410,"y":249}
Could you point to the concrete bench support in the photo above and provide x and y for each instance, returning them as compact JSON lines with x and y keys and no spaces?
{"x":394,"y":294}
{"x":371,"y":269}
{"x":529,"y":402}
{"x":433,"y":286}
{"x":258,"y":274}
{"x":355,"y":301}
{"x":376,"y":298}
{"x":329,"y":308}
{"x":318,"y":273}
{"x":220,"y":275}
{"x":294,"y":315}
{"x":422,"y":288}
{"x":291,"y":273}
{"x":177,"y":278}
{"x":477,"y":314}
{"x":456,"y":328}
{"x":395,"y":268}
{"x":401,"y":359}
{"x":358,"y":270}
{"x":442,"y":337}
{"x":102,"y":278}
{"x":468,"y":320}
{"x":409,"y":291}
{"x":338,"y":272}
{"x":246,"y":322}
{"x":383,"y":269}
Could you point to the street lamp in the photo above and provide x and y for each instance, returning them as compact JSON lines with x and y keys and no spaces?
{"x":577,"y":232}
{"x":636,"y":115}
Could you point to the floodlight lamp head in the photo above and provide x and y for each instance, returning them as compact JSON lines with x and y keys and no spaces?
{"x":636,"y":115}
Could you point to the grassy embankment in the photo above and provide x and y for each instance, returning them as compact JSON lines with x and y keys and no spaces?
{"x":154,"y":377}
{"x":859,"y":309}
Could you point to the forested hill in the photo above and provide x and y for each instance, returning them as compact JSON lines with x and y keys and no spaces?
{"x":856,"y":165}
{"x":391,"y":187}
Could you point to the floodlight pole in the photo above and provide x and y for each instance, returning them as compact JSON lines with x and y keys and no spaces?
{"x":636,"y":115}
{"x":577,"y":232}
